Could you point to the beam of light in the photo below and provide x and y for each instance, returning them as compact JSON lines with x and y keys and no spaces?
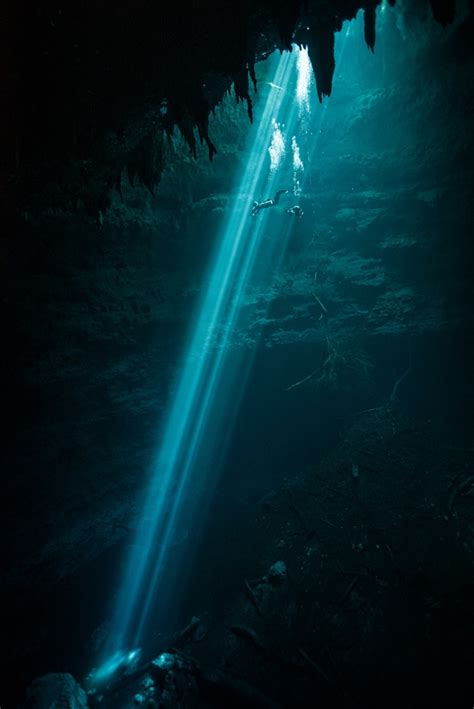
{"x":298,"y":166}
{"x":295,"y":149}
{"x":250,"y":234}
{"x":174,"y":501}
{"x":277,"y":147}
{"x":303,"y":84}
{"x":119,"y":664}
{"x":186,"y":446}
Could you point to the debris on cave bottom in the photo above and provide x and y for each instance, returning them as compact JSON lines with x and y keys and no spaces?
{"x":175,"y":679}
{"x":185,"y":682}
{"x":277,"y":573}
{"x":195,"y":631}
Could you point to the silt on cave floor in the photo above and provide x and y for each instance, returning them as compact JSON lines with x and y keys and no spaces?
{"x":239,"y":451}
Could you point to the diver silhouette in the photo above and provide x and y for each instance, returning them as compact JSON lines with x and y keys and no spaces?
{"x":295,"y":210}
{"x":257,"y":206}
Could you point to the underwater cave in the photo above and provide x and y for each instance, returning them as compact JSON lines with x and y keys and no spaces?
{"x":237,"y":265}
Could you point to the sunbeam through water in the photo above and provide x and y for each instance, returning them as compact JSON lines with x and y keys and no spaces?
{"x":193,"y":439}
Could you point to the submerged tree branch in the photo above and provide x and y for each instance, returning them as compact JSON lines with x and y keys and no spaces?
{"x":400,"y":379}
{"x":303,"y":381}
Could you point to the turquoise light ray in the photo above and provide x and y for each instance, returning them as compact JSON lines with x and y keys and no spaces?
{"x":214,"y":383}
{"x":201,"y":381}
{"x":198,"y":385}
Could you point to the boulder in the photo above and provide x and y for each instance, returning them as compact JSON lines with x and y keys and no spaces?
{"x":55,"y":691}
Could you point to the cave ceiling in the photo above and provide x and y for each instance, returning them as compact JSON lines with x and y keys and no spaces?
{"x":98,"y":84}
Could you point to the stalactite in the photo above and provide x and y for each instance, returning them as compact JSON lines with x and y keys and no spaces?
{"x":241,"y":88}
{"x":252,"y":74}
{"x":369,"y":25}
{"x":201,"y":108}
{"x":211,"y":147}
{"x":146,"y":161}
{"x":321,"y":54}
{"x":186,"y":128}
{"x":204,"y":138}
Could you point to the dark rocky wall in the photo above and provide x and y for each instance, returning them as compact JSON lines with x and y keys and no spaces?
{"x":97,"y":306}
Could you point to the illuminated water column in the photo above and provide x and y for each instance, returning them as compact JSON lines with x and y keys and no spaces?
{"x":201,"y":393}
{"x":186,"y":463}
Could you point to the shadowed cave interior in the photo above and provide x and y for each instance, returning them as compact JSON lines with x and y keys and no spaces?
{"x":238,"y":448}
